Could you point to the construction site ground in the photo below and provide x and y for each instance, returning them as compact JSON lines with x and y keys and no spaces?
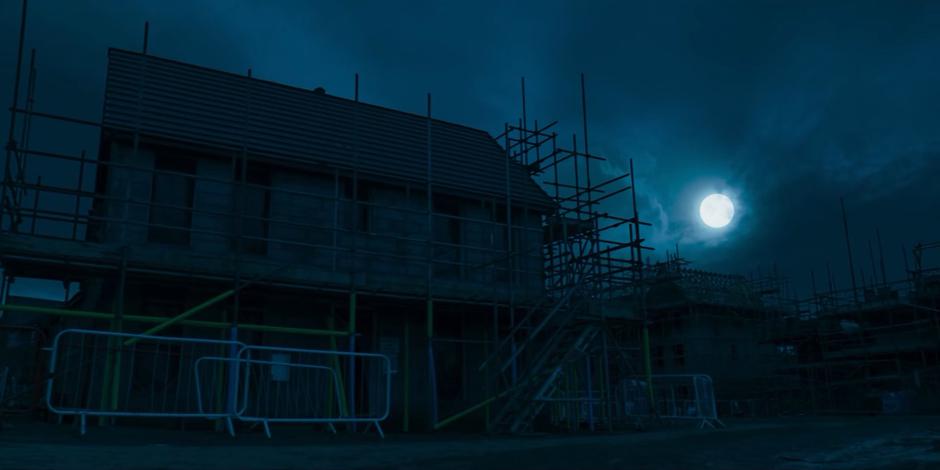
{"x":862,"y":442}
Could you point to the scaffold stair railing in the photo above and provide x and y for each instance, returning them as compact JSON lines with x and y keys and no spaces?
{"x":522,"y":406}
{"x":558,"y":313}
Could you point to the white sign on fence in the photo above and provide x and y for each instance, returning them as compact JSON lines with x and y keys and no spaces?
{"x":280,"y":373}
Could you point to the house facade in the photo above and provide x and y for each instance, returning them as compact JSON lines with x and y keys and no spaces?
{"x":226,"y":208}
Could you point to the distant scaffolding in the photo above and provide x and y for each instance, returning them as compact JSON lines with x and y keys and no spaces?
{"x":868,"y":348}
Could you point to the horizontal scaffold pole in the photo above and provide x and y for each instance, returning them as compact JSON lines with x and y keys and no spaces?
{"x":148,"y":319}
{"x":188,"y":313}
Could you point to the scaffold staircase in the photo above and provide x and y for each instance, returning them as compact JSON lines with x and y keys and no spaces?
{"x":523,"y":403}
{"x":534,"y":354}
{"x":592,"y":254}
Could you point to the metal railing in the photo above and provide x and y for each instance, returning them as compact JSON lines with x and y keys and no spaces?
{"x":676,"y":397}
{"x":307,"y":386}
{"x":102,"y":373}
{"x":96,"y":373}
{"x":277,"y":372}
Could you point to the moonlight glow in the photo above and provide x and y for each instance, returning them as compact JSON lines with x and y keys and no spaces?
{"x":716,"y":210}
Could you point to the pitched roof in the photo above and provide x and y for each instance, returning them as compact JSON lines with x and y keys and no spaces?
{"x":179,"y":101}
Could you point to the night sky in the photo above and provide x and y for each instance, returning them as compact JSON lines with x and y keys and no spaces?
{"x":784,"y":106}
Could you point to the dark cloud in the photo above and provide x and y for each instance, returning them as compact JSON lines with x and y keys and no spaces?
{"x":787,"y":106}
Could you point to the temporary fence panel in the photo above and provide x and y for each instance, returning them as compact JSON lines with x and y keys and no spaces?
{"x":20,"y":371}
{"x":313,"y":386}
{"x":278,"y":391}
{"x":675,"y":397}
{"x":100,"y":373}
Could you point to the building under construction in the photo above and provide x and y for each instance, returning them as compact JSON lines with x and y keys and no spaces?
{"x":247,"y":252}
{"x":380,"y":266}
{"x":874,"y":348}
{"x":871,"y":349}
{"x":711,"y":323}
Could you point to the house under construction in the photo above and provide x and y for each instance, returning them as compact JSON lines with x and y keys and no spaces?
{"x":493,"y":275}
{"x":716,"y":324}
{"x":874,"y":348}
{"x":871,"y":349}
{"x":245,"y":251}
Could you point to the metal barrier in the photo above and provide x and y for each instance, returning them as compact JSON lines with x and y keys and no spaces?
{"x":677,"y":397}
{"x":95,"y":373}
{"x":100,"y":373}
{"x":285,"y":401}
{"x":307,"y":386}
{"x":20,"y":370}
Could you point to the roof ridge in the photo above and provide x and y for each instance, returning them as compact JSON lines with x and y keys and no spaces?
{"x":393,"y":140}
{"x":302,"y":89}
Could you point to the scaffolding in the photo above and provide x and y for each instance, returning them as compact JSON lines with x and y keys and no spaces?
{"x":550,"y":278}
{"x":873,"y":348}
{"x":704,"y":322}
{"x":573,"y":345}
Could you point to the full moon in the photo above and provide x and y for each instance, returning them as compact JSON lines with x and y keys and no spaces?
{"x":716,"y":210}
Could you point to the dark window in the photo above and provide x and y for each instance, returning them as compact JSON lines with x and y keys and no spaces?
{"x":734,"y":352}
{"x":678,"y":354}
{"x":448,"y":235}
{"x":256,"y":203}
{"x":499,"y":243}
{"x":359,"y":215}
{"x":684,"y":400}
{"x":499,"y":214}
{"x":449,"y":360}
{"x":171,"y":198}
{"x":450,"y":367}
{"x":363,"y":209}
{"x":659,"y":360}
{"x":519,"y":255}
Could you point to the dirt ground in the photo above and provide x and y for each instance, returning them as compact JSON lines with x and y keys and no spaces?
{"x":786,"y":444}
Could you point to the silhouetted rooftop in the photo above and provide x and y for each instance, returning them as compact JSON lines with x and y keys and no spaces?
{"x":188,"y":103}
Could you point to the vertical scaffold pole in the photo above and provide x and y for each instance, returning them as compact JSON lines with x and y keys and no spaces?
{"x":848,"y":249}
{"x":335,"y":364}
{"x":406,"y":385}
{"x":589,"y":383}
{"x":510,"y":262}
{"x":146,"y":37}
{"x":351,"y":391}
{"x":432,"y":372}
{"x":487,"y":386}
{"x":118,"y":326}
{"x":640,"y":294}
{"x":11,"y":136}
{"x":607,"y":398}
